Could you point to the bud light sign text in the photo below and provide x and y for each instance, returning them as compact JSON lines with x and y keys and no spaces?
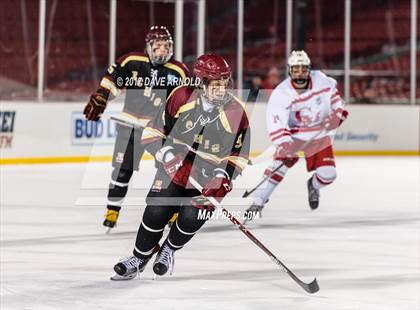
{"x":86,"y":132}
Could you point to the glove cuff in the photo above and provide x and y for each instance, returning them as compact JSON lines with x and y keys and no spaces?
{"x":164,"y":152}
{"x":219,"y":172}
{"x":103,"y":91}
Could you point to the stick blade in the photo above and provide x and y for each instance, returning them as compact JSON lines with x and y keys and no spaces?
{"x":312,"y":287}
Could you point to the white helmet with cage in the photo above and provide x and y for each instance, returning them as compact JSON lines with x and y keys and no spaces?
{"x":298,"y":58}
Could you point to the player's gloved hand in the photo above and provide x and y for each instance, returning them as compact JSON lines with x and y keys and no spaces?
{"x":286,"y":153}
{"x":335,"y":119}
{"x":217,"y":187}
{"x":174,"y":164}
{"x":96,"y":106}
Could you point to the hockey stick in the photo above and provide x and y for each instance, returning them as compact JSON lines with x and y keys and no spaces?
{"x":308,"y":287}
{"x":125,"y":121}
{"x":249,"y":192}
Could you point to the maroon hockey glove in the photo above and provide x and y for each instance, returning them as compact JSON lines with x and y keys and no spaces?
{"x":217,"y":187}
{"x":335,"y":120}
{"x":285,"y":152}
{"x":95,"y":107}
{"x":178,"y":169}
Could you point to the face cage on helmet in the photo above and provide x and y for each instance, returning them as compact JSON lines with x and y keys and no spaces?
{"x":299,"y":81}
{"x":216,"y":102}
{"x":159,"y":60}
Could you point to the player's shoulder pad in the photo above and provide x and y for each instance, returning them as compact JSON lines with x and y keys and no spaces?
{"x":318,"y":74}
{"x":133,"y":56}
{"x":178,"y":67}
{"x":285,"y":84}
{"x":181,"y":99}
{"x":234,"y":116}
{"x":281,"y":93}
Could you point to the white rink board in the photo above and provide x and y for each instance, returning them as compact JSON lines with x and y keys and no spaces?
{"x":368,"y":128}
{"x":59,"y":130}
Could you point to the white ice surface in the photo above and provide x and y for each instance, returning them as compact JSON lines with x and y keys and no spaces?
{"x":362,"y":244}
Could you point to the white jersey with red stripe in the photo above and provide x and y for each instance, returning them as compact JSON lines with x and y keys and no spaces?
{"x":293,"y":115}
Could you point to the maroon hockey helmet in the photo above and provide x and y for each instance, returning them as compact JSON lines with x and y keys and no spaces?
{"x":213,"y":67}
{"x":159,"y":33}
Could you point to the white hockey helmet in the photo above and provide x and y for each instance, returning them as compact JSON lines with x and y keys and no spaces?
{"x":298,"y":58}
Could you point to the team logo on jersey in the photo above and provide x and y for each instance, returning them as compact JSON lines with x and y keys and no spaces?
{"x":306,"y":117}
{"x":203,"y":121}
{"x":153,"y":73}
{"x":153,"y":77}
{"x":157,"y":186}
{"x":215,"y":148}
{"x":119,"y":158}
{"x":189,"y":125}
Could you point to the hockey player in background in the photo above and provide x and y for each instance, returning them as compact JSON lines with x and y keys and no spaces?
{"x":303,"y":114}
{"x":205,"y":135}
{"x":148,"y":79}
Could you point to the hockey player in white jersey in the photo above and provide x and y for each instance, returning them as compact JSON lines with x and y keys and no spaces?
{"x":303,"y":114}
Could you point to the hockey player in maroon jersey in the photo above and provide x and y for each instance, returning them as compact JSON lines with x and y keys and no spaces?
{"x":148,"y":79}
{"x":204,"y":134}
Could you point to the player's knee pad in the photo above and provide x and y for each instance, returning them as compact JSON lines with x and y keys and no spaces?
{"x":121,"y":175}
{"x":326,"y":174}
{"x":157,"y":216}
{"x":190,"y":218}
{"x":118,"y":186}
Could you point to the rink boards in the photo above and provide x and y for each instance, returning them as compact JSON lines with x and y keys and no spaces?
{"x":57,"y":132}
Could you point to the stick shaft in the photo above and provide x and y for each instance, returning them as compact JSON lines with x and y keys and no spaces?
{"x":247,"y":232}
{"x":125,"y":121}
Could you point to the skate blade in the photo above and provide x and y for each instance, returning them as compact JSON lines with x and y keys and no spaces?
{"x":117,"y":277}
{"x":108,"y":230}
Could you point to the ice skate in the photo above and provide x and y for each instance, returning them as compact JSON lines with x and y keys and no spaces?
{"x":111,"y":218}
{"x":313,"y":195}
{"x":129,"y":267}
{"x":165,"y":260}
